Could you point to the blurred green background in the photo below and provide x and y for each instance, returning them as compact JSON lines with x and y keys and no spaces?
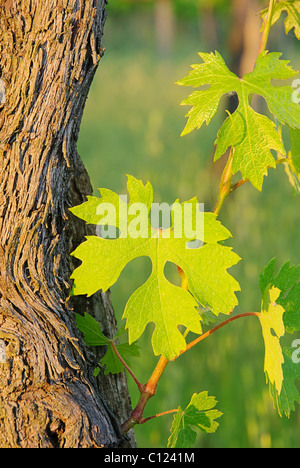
{"x":132,"y":124}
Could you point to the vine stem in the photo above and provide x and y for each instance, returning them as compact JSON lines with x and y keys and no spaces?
{"x":225,"y":184}
{"x":139,"y":385}
{"x":144,"y":420}
{"x":151,"y":385}
{"x":283,"y":160}
{"x":239,"y":184}
{"x":267,"y":27}
{"x":149,"y":390}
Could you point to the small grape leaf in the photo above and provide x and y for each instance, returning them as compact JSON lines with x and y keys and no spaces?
{"x":93,"y":336}
{"x":292,"y":21}
{"x":199,"y":413}
{"x":112,"y":363}
{"x":251,"y":135}
{"x":91,"y":330}
{"x":158,"y":301}
{"x":287,"y":281}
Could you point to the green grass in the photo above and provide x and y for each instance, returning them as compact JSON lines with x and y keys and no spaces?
{"x":132,"y":124}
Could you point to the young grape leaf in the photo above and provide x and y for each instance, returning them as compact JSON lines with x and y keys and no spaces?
{"x":91,"y":330}
{"x":287,"y":281}
{"x":112,"y":363}
{"x":158,"y":301}
{"x":199,"y":413}
{"x":292,"y":21}
{"x":251,"y":135}
{"x":93,"y":336}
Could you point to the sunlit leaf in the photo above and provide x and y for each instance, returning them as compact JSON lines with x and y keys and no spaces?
{"x":251,"y":135}
{"x":199,"y":414}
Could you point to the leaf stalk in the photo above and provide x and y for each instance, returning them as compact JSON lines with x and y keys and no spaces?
{"x":218,"y":327}
{"x":139,"y":385}
{"x":149,"y":390}
{"x":225,"y":184}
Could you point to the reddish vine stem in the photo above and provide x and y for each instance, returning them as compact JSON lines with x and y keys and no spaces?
{"x":149,"y":390}
{"x":267,"y":27}
{"x":139,"y":385}
{"x":238,"y":184}
{"x":158,"y":415}
{"x":213,"y":330}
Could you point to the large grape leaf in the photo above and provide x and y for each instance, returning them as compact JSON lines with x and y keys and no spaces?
{"x":292,"y":21}
{"x":285,"y":372}
{"x":158,"y":300}
{"x":201,"y":414}
{"x":253,"y":136}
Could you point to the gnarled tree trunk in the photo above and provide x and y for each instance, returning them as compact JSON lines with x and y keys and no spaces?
{"x":49,"y":52}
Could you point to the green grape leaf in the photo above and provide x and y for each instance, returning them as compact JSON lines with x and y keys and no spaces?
{"x":251,"y":135}
{"x":289,"y":395}
{"x":93,"y":336}
{"x":287,"y":281}
{"x":158,"y":300}
{"x":91,"y":330}
{"x":112,"y":363}
{"x":200,"y":414}
{"x":292,"y":21}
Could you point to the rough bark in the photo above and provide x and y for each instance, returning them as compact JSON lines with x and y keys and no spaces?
{"x":49,"y":52}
